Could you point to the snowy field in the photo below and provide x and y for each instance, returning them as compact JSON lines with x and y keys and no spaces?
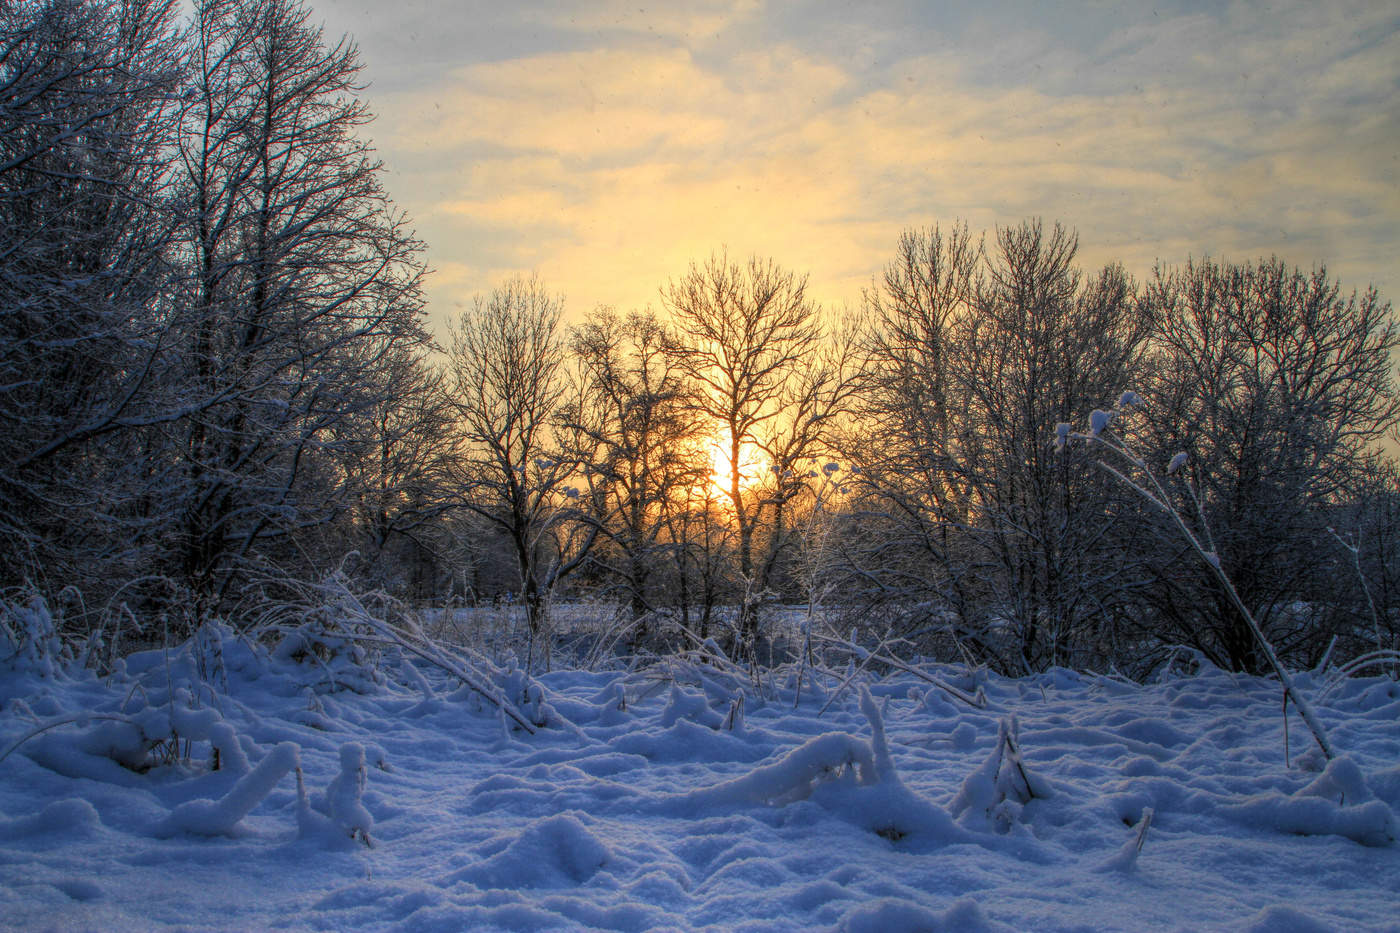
{"x":659,"y":800}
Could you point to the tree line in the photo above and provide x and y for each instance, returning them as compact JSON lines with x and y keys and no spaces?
{"x":212,"y":313}
{"x":216,"y":379}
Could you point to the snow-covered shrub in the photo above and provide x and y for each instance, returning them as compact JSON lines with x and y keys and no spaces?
{"x":157,"y":729}
{"x":333,"y":656}
{"x":1341,"y":782}
{"x":29,"y":637}
{"x":1342,"y":673}
{"x":1336,"y":804}
{"x":832,"y":756}
{"x":526,"y":694}
{"x":331,"y":618}
{"x":846,"y":774}
{"x":999,"y":789}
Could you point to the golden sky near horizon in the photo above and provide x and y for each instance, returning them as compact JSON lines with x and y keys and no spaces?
{"x":605,"y":146}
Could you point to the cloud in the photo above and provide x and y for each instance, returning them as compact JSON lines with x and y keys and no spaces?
{"x":692,"y":22}
{"x":607,"y":149}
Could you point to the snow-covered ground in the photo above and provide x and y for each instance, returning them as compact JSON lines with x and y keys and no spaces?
{"x":658,"y":800}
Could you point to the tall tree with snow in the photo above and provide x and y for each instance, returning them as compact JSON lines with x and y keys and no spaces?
{"x":639,"y":449}
{"x":756,"y":345}
{"x":86,"y":92}
{"x":302,"y":279}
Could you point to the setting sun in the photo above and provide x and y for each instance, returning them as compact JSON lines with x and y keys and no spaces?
{"x":750,"y":465}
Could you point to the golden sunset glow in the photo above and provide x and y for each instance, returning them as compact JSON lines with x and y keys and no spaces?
{"x":751,"y":466}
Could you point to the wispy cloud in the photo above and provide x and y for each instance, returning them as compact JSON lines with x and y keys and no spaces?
{"x":607,"y":148}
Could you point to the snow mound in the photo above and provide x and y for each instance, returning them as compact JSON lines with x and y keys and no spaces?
{"x":556,"y":852}
{"x":1371,"y":824}
{"x":834,"y":756}
{"x":1337,"y":802}
{"x":889,"y":914}
{"x":1284,"y":919}
{"x":73,"y":816}
{"x":853,"y":778}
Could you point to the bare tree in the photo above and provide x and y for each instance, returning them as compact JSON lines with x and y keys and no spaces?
{"x":701,"y":538}
{"x":302,"y":280}
{"x":507,"y":358}
{"x":976,"y":358}
{"x":800,"y":450}
{"x":914,"y":556}
{"x":1371,"y":536}
{"x":636,"y":432}
{"x":745,"y":334}
{"x":1278,"y":387}
{"x":394,"y":458}
{"x":85,"y":232}
{"x":1044,"y":343}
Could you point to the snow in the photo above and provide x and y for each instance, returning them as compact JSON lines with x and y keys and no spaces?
{"x":1099,"y":420}
{"x":369,"y":792}
{"x":222,"y":816}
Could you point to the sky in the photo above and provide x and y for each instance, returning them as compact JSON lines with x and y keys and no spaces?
{"x":606,"y":146}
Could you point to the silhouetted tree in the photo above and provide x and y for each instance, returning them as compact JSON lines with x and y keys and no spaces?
{"x":754,"y":344}
{"x":976,"y":357}
{"x":85,"y":249}
{"x":638,"y":445}
{"x":507,"y":358}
